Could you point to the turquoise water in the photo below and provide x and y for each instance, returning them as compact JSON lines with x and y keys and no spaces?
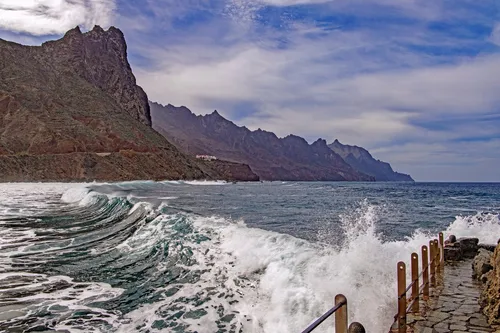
{"x":216,"y":257}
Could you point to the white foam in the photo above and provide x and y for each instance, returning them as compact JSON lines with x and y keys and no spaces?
{"x":72,"y":297}
{"x":293,"y":281}
{"x":206,"y":182}
{"x":75,"y":194}
{"x":486,"y":227}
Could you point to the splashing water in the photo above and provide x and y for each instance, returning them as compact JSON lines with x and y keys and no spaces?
{"x":112,"y":263}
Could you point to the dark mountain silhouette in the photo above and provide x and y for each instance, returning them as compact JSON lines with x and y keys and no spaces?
{"x":270,"y":157}
{"x":360,"y":159}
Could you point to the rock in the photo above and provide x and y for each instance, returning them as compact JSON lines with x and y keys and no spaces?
{"x":356,"y":327}
{"x":229,"y":170}
{"x":469,"y":247}
{"x":490,"y":296}
{"x":488,"y":247}
{"x":481,"y":263}
{"x":453,"y":252}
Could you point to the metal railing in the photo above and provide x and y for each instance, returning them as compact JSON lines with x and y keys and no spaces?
{"x":340,"y":311}
{"x":432,"y":265}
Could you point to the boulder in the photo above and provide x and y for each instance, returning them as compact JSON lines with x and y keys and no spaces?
{"x":469,"y":247}
{"x":453,"y":252}
{"x":481,"y":264}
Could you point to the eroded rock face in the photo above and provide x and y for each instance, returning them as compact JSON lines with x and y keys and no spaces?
{"x":229,"y":171}
{"x":490,"y":297}
{"x":65,"y":102}
{"x":481,"y":264}
{"x":100,"y":57}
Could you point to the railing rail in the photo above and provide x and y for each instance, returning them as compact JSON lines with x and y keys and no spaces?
{"x":432,"y":265}
{"x":340,"y":311}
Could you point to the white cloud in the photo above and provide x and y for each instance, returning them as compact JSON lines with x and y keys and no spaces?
{"x":446,"y":161}
{"x":359,"y":86}
{"x":43,"y":17}
{"x":495,"y":34}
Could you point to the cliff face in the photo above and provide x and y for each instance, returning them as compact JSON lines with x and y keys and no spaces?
{"x":490,"y":297}
{"x":219,"y":169}
{"x":270,"y":157}
{"x":360,"y":159}
{"x":71,"y":110}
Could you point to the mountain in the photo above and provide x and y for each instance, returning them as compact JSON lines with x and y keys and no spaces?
{"x":270,"y":157}
{"x":71,"y":110}
{"x":360,"y":159}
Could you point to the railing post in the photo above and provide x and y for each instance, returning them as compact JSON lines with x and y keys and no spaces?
{"x":425,"y":269}
{"x":441,"y":252}
{"x":414,"y":279}
{"x":401,"y":297}
{"x":432,"y":263}
{"x":441,"y":245}
{"x":341,"y":315}
{"x":437,"y":256}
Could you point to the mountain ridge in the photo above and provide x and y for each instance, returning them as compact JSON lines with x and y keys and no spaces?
{"x":361,"y":159}
{"x":71,"y":110}
{"x":270,"y":157}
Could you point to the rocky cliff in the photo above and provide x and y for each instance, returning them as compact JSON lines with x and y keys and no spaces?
{"x":360,"y":159}
{"x":71,"y":110}
{"x":490,"y":297}
{"x":270,"y":157}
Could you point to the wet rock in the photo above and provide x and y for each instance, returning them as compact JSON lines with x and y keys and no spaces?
{"x":469,"y":247}
{"x":481,"y":263}
{"x":451,"y":239}
{"x":488,"y":247}
{"x":453,"y":252}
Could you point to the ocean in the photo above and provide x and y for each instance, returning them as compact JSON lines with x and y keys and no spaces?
{"x":219,"y":257}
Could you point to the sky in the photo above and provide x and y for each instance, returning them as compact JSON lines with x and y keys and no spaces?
{"x":415,"y":82}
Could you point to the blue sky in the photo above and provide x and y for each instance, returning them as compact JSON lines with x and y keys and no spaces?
{"x":416,"y":82}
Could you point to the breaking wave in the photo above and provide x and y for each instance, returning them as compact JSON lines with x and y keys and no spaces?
{"x":105,"y":263}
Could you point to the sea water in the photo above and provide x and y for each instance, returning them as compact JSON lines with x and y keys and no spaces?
{"x":219,"y":257}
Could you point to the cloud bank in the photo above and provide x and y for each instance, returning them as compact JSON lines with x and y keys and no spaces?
{"x":48,"y":17}
{"x":416,"y":82}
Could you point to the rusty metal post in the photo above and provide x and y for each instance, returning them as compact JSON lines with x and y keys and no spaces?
{"x":425,"y":269}
{"x":432,"y":263}
{"x":437,"y":258}
{"x":341,"y":315}
{"x":441,"y":246}
{"x":414,"y":279}
{"x":401,"y":297}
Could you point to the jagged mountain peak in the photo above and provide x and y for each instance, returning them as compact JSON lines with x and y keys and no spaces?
{"x":75,"y":112}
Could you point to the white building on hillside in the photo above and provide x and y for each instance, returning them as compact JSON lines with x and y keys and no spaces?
{"x":206,"y":157}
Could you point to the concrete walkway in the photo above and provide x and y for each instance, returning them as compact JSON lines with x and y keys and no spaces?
{"x":456,"y":309}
